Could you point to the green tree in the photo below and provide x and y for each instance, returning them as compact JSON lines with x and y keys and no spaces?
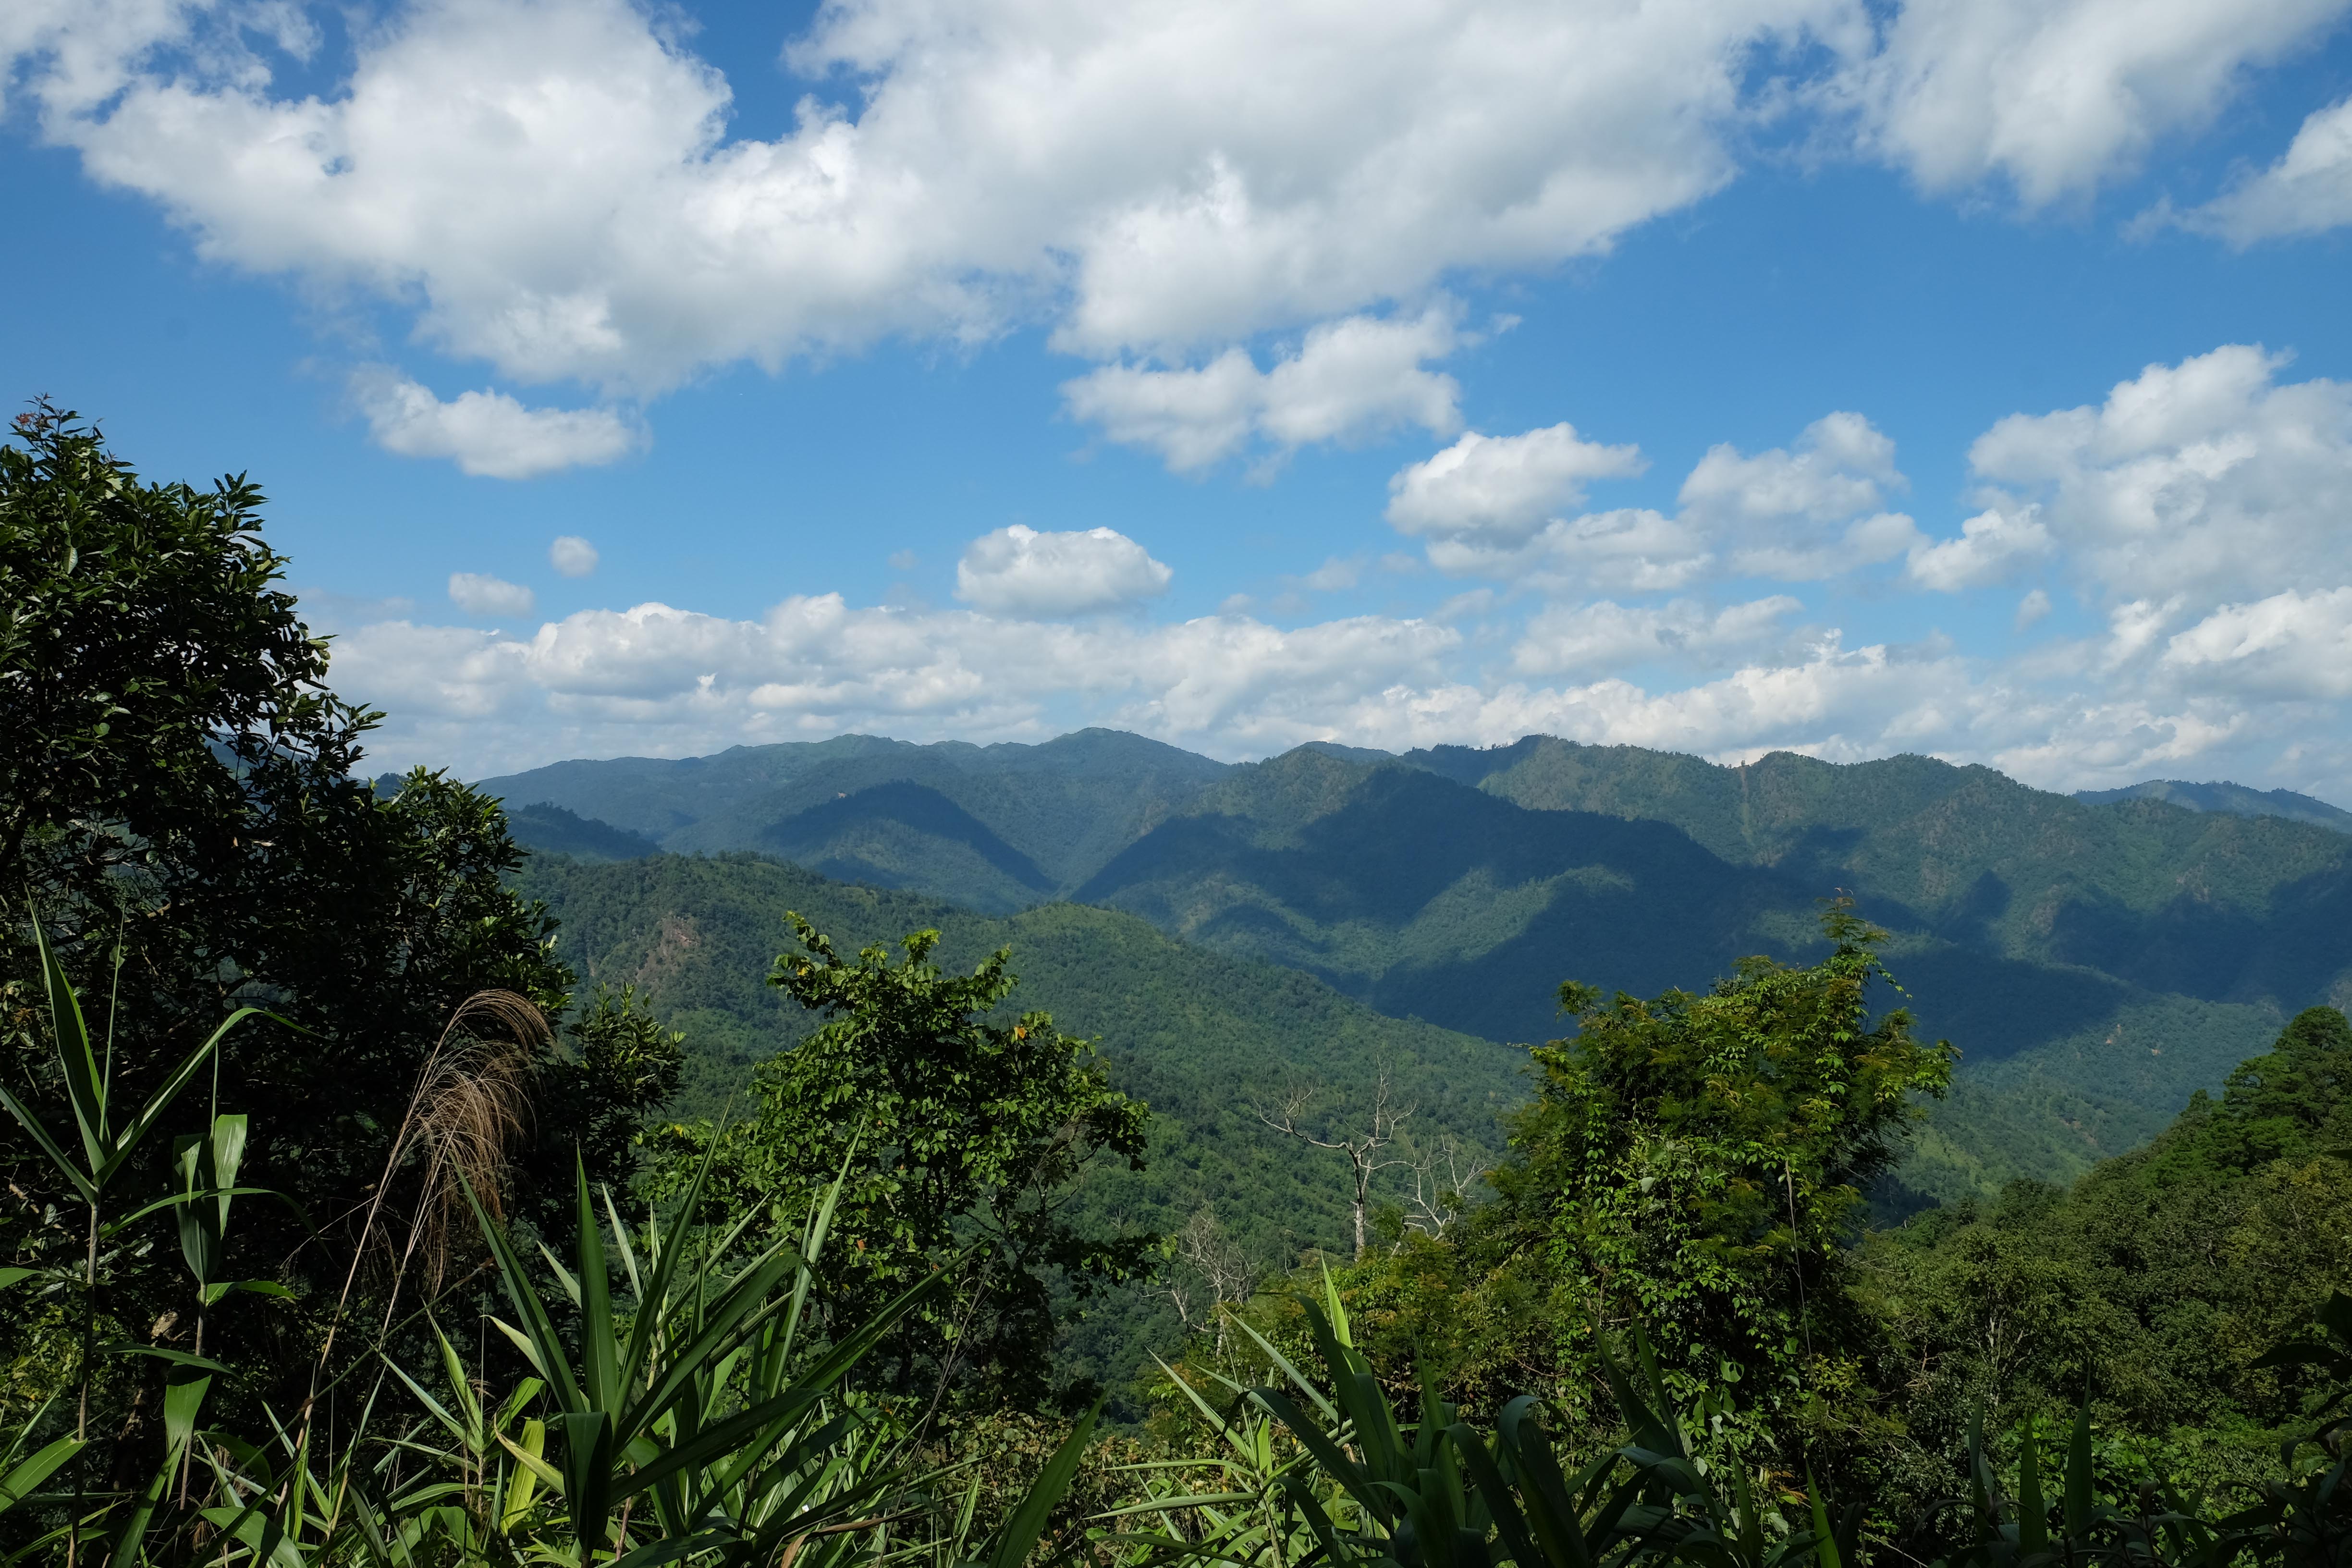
{"x":181,"y":790}
{"x":1694,"y":1163}
{"x":2153,"y":1288}
{"x":963,"y":1136}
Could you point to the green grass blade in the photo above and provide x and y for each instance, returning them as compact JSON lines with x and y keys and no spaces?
{"x":86,"y":1085}
{"x":25,"y":1479}
{"x":2078,"y":1496}
{"x":2032,"y":1513}
{"x":599,"y":1356}
{"x":169,"y":1090}
{"x":545,"y":1346}
{"x":1825,"y":1541}
{"x":1019,"y":1533}
{"x":73,"y":1174}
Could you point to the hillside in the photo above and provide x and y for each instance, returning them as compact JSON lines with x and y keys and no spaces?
{"x":1202,"y":1037}
{"x":995,"y":828}
{"x":2096,"y":963}
{"x":2237,"y":800}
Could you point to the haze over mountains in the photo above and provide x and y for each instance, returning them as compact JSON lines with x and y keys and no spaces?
{"x":2095,"y":962}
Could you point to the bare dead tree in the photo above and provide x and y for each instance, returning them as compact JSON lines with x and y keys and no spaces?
{"x":1210,"y":1264}
{"x":1439,"y":1196}
{"x":1363,"y":1149}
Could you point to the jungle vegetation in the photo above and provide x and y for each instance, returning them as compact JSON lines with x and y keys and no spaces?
{"x":346,"y":1223}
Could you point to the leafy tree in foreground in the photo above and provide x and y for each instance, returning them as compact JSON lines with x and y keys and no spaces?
{"x":1694,"y":1163}
{"x":963,"y":1138}
{"x":180,"y":792}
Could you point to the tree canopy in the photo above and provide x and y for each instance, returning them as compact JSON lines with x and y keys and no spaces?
{"x":962,"y":1135}
{"x":181,"y":795}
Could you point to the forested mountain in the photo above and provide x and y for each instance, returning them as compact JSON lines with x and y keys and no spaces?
{"x":2236,"y":799}
{"x":2095,"y":962}
{"x":996,"y":828}
{"x":1207,"y":1040}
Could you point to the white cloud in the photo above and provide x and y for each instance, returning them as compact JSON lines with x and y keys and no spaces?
{"x":2032,"y":609}
{"x":572,"y":556}
{"x":556,"y":187}
{"x":1629,"y":550}
{"x":1019,"y":571}
{"x":1798,"y":513}
{"x":553,"y":190}
{"x":479,"y":596}
{"x":1991,"y":546}
{"x":2210,"y":480}
{"x":1840,"y":468}
{"x":2290,"y":645}
{"x":2057,"y":97}
{"x":1493,"y":507}
{"x":488,"y":433}
{"x":1335,"y":576}
{"x":1499,"y":491}
{"x":1349,"y":381}
{"x":2234,"y":699}
{"x":1578,"y":640}
{"x":2307,"y":191}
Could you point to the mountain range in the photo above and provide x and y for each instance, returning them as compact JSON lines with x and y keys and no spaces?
{"x":2094,"y":961}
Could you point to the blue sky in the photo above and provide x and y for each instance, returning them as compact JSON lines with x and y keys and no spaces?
{"x":1969,"y":378}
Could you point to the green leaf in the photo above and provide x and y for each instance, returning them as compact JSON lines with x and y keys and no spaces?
{"x":1021,"y":1531}
{"x":26,"y":1479}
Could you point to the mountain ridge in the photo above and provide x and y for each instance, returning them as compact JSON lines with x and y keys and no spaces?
{"x":2095,"y":962}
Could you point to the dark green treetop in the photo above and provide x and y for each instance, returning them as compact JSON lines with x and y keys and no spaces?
{"x":964,"y":1136}
{"x":180,"y":786}
{"x":1693,"y":1163}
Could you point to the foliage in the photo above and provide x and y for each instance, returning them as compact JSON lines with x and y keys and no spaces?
{"x":1199,"y":1036}
{"x":960,"y":1139}
{"x":1356,"y":1484}
{"x":2156,"y":1284}
{"x":181,"y":799}
{"x":708,"y":1402}
{"x":1694,"y":1163}
{"x":2099,"y":962}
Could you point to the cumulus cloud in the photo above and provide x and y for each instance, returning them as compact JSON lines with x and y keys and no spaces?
{"x":572,"y":556}
{"x":1350,"y":379}
{"x":1991,"y":546}
{"x":2293,"y":644}
{"x":1841,"y":466}
{"x":1499,"y":506}
{"x":2234,"y":699}
{"x":556,"y":187}
{"x":553,"y":190}
{"x":1501,"y":490}
{"x":2307,"y":191}
{"x":1575,"y":639}
{"x":1627,"y":550}
{"x":1803,"y":512}
{"x":2211,"y":480}
{"x":656,"y":677}
{"x":1021,"y":571}
{"x":2056,"y":97}
{"x":488,"y":433}
{"x":481,"y":596}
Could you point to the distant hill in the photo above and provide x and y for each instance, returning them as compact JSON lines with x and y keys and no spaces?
{"x":1203,"y":1036}
{"x":552,"y":830}
{"x":995,"y":828}
{"x":2096,"y":963}
{"x":2237,"y":800}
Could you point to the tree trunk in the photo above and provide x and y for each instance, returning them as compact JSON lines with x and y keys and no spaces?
{"x":1363,"y":1185}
